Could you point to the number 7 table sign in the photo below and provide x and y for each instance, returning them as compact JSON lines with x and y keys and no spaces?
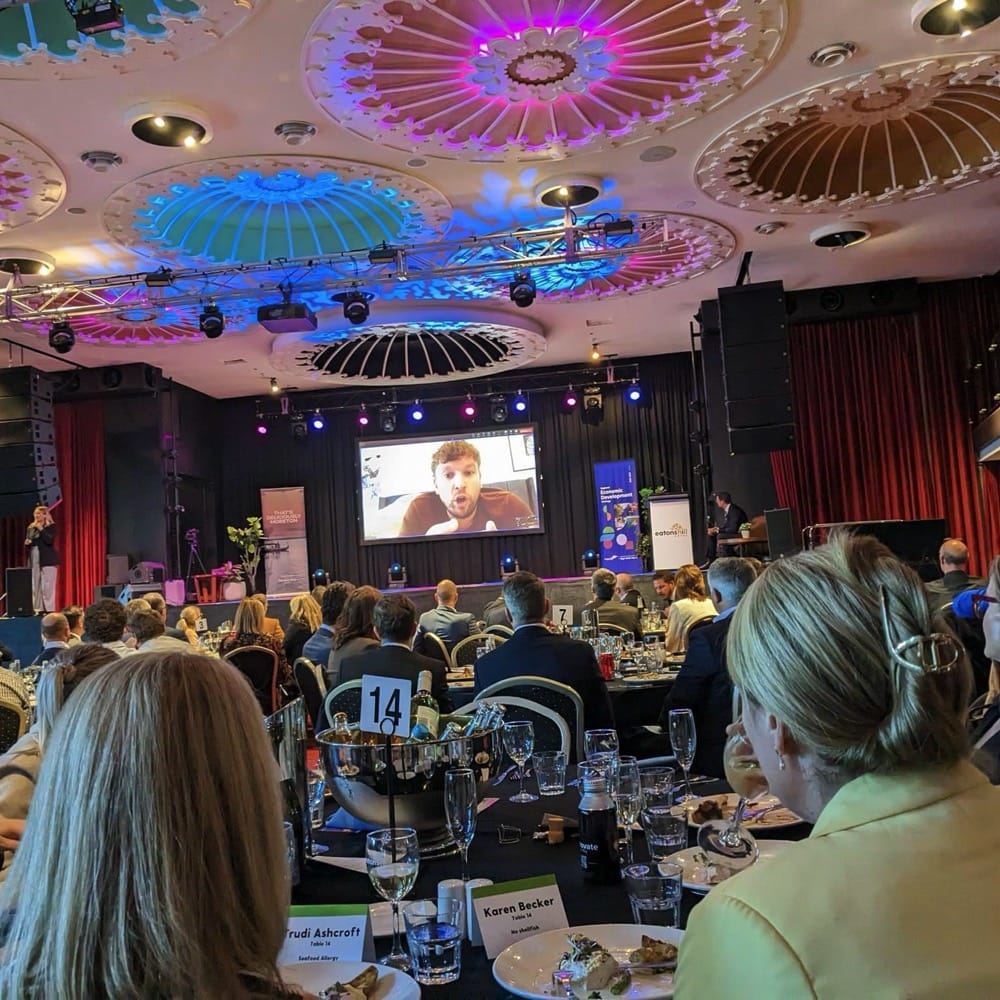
{"x":385,"y":705}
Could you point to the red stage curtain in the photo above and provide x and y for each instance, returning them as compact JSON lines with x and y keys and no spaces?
{"x":882,"y":421}
{"x":82,"y":516}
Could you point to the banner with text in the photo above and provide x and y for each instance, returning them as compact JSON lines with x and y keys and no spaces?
{"x":670,"y":528}
{"x":286,"y":552}
{"x":618,"y":515}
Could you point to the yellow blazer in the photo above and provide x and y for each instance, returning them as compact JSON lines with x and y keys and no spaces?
{"x":896,"y":893}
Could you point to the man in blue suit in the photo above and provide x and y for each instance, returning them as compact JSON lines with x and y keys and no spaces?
{"x":536,"y":651}
{"x":445,"y":621}
{"x":732,"y":517}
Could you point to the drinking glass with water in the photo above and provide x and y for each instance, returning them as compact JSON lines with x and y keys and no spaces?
{"x":434,"y":937}
{"x":654,"y":893}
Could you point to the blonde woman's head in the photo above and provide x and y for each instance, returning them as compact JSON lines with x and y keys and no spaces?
{"x":190,"y":616}
{"x":153,"y":860}
{"x":60,"y":678}
{"x":303,"y":608}
{"x":689,"y":582}
{"x":249,"y":617}
{"x":807,"y":644}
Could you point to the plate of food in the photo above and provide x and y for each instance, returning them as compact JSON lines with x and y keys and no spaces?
{"x":700,"y":874}
{"x":598,"y":956}
{"x":647,"y":677}
{"x":350,"y":981}
{"x":764,"y":813}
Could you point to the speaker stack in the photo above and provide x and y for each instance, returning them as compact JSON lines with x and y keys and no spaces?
{"x":756,"y":377}
{"x":28,"y":473}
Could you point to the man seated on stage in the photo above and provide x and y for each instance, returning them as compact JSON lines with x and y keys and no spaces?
{"x":625,"y":590}
{"x":104,"y":622}
{"x":445,"y":621}
{"x":74,"y":616}
{"x":732,"y":518}
{"x":460,"y":502}
{"x":395,"y":620}
{"x":534,"y":650}
{"x":609,"y":611}
{"x":55,"y":636}
{"x":953,"y":558}
{"x":150,"y":634}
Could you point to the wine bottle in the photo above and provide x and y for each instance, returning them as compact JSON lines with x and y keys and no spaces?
{"x":599,"y":859}
{"x":425,"y":717}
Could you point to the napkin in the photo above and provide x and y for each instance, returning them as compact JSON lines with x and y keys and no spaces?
{"x":351,"y":864}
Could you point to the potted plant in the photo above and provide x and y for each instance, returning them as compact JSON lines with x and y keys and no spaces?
{"x":231,"y":578}
{"x":250,"y":541}
{"x":745,"y":529}
{"x":644,"y":546}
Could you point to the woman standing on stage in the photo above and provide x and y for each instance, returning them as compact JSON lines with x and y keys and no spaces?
{"x":44,"y":560}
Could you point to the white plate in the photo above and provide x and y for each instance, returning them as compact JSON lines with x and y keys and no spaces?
{"x":316,"y":976}
{"x":525,"y":967}
{"x":774,"y":819}
{"x":650,"y":678}
{"x":696,"y":875}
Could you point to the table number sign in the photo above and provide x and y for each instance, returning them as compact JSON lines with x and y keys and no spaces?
{"x":511,"y":910}
{"x":328,"y":934}
{"x":385,"y":705}
{"x":562,"y":615}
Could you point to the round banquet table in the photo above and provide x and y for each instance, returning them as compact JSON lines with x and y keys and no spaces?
{"x":584,"y":903}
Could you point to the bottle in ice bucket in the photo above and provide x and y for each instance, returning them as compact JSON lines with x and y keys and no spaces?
{"x":425,"y":717}
{"x":598,"y":830}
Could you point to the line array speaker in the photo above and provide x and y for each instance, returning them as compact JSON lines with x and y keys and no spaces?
{"x":28,"y":471}
{"x":20,"y":602}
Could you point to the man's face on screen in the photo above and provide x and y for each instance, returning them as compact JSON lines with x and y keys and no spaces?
{"x":457,"y":484}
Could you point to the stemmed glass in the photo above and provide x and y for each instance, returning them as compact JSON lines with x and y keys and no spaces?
{"x":600,"y":741}
{"x":519,"y":742}
{"x":726,"y":840}
{"x":683,"y":741}
{"x":626,"y":792}
{"x":460,"y":810}
{"x":393,"y":860}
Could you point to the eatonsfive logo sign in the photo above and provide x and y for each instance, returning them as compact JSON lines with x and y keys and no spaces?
{"x":674,"y":531}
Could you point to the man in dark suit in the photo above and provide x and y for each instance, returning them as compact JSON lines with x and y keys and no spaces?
{"x":953,"y":558}
{"x":495,"y":613}
{"x":445,"y":621}
{"x":625,"y":590}
{"x":703,"y":684}
{"x":536,"y":651}
{"x":732,"y":518}
{"x":610,"y":611}
{"x":395,"y":620}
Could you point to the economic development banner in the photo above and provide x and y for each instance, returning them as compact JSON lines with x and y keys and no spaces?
{"x":618,"y":515}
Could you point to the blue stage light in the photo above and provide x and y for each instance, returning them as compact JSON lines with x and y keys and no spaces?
{"x":520,"y":403}
{"x":318,"y":423}
{"x":416,"y":412}
{"x":634,"y":392}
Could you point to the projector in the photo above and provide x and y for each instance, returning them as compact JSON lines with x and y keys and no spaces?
{"x":4,"y":4}
{"x":287,"y":317}
{"x":104,"y":15}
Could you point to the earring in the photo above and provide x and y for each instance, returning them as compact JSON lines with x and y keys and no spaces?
{"x":781,"y":760}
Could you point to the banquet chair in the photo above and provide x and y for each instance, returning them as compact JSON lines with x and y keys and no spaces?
{"x":558,"y":697}
{"x":344,"y":698}
{"x":13,"y":723}
{"x":551,"y":731}
{"x":313,"y":688}
{"x":464,"y":653}
{"x":259,"y":665}
{"x":435,"y":648}
{"x":609,"y":628}
{"x":501,"y":630}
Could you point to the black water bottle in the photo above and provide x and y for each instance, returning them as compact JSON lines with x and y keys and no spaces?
{"x":599,"y":860}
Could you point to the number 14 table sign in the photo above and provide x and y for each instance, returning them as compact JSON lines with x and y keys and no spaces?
{"x":511,"y":910}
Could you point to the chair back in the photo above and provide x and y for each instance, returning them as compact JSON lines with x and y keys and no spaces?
{"x":259,"y":665}
{"x":695,"y":625}
{"x":13,"y":724}
{"x":435,"y":648}
{"x":561,"y":698}
{"x":344,"y":698}
{"x":505,"y":630}
{"x":313,"y":688}
{"x":551,"y":731}
{"x":464,"y":653}
{"x":610,"y":628}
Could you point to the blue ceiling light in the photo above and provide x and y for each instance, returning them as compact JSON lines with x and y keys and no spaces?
{"x":317,"y":421}
{"x":634,"y":392}
{"x":416,"y":412}
{"x":519,"y":404}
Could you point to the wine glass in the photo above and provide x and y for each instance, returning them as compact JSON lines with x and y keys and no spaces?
{"x":683,"y":741}
{"x":626,"y":792}
{"x":519,"y":742}
{"x":393,"y":860}
{"x":460,"y":810}
{"x":600,"y":741}
{"x":726,"y":840}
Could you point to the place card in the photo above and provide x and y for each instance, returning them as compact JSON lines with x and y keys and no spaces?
{"x":335,"y":933}
{"x":511,"y":910}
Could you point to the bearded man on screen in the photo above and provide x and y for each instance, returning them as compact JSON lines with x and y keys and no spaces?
{"x":460,"y":502}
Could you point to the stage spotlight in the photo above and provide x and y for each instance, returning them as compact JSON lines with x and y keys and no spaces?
{"x":275,"y":388}
{"x":520,"y":403}
{"x":355,"y":303}
{"x":570,"y":399}
{"x":320,"y":578}
{"x":590,"y":561}
{"x":61,"y":337}
{"x":300,"y":428}
{"x":508,"y":566}
{"x":498,"y":409}
{"x":593,"y":404}
{"x":261,"y":427}
{"x":387,"y":418}
{"x":363,"y":416}
{"x":397,"y":576}
{"x":469,"y":408}
{"x":522,"y":289}
{"x":93,"y":17}
{"x":595,"y":354}
{"x":416,"y":412}
{"x":212,"y":322}
{"x":634,"y":392}
{"x":318,"y":423}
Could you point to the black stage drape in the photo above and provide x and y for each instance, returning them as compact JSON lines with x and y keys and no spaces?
{"x":655,"y":434}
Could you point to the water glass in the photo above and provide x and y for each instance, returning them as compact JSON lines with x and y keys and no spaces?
{"x":654,"y":893}
{"x":666,"y":830}
{"x":656,"y":785}
{"x":550,"y":770}
{"x":434,"y":937}
{"x":597,"y":741}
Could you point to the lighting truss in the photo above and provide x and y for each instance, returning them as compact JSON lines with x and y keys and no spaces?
{"x":499,"y":254}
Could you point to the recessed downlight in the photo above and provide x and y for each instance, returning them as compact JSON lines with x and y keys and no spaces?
{"x":569,"y":192}
{"x":953,"y":18}
{"x":20,"y":260}
{"x":169,"y":125}
{"x":836,"y":235}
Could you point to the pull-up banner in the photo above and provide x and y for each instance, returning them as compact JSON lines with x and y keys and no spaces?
{"x":618,"y":515}
{"x":670,"y":526}
{"x":286,"y":551}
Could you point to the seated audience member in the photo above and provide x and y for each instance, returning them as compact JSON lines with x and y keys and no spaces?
{"x":395,"y":620}
{"x":663,"y":584}
{"x":854,"y":701}
{"x":55,"y":636}
{"x":607,"y":609}
{"x":150,"y":634}
{"x":194,"y":904}
{"x":320,"y":644}
{"x":13,"y":689}
{"x":271,"y":625}
{"x":131,"y":607}
{"x":625,"y":591}
{"x":19,"y":766}
{"x":445,"y":621}
{"x":495,"y":613}
{"x":355,"y":631}
{"x":305,"y":616}
{"x":187,"y":623}
{"x":11,"y":832}
{"x":74,"y":615}
{"x":317,"y":593}
{"x":104,"y":622}
{"x":691,"y":604}
{"x":953,"y":558}
{"x":703,"y":684}
{"x":534,"y":650}
{"x":248,"y":630}
{"x":158,"y":603}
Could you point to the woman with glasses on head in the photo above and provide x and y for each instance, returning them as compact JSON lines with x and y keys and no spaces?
{"x":855,"y":699}
{"x":691,"y":604}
